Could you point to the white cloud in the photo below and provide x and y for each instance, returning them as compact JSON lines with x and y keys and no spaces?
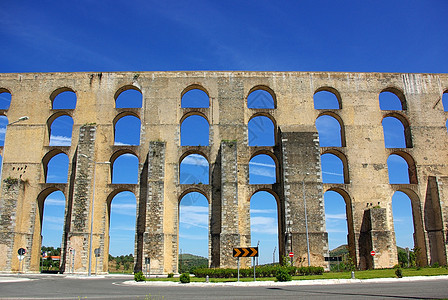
{"x":199,"y":237}
{"x":335,"y":216}
{"x":265,"y":225}
{"x":59,"y":140}
{"x":53,"y":219}
{"x":195,"y":160}
{"x":54,"y":202}
{"x":195,"y":216}
{"x":265,"y":172}
{"x":263,"y":211}
{"x":121,"y":228}
{"x":251,"y":163}
{"x":331,"y":173}
{"x":124,"y":209}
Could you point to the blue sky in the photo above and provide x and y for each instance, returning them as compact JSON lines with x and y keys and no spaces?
{"x":354,"y":36}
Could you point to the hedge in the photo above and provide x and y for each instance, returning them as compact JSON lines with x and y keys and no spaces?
{"x":260,"y":271}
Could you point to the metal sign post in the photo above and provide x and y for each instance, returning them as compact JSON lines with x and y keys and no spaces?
{"x":97,"y":254}
{"x":254,"y":270}
{"x":238,"y":262}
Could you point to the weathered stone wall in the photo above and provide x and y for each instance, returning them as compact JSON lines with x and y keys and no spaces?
{"x":158,"y":192}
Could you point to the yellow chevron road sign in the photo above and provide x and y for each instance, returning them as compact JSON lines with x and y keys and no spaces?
{"x":245,"y":252}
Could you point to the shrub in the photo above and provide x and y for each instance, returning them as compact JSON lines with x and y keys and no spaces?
{"x":436,"y":265}
{"x":399,"y":272}
{"x":170,"y":275}
{"x":283,"y":274}
{"x":185,"y":278}
{"x":139,"y":276}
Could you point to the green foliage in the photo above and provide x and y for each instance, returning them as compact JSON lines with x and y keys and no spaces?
{"x":48,"y":264}
{"x":127,"y":261}
{"x":170,"y":275}
{"x":260,"y":271}
{"x":403,"y":258}
{"x":138,"y":276}
{"x":282,"y":274}
{"x":399,"y":272}
{"x":188,"y":263}
{"x":436,"y":265}
{"x":185,"y":278}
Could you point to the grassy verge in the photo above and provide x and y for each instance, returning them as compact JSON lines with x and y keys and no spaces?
{"x":368,"y":274}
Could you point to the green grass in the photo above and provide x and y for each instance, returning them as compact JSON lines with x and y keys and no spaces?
{"x":368,"y":274}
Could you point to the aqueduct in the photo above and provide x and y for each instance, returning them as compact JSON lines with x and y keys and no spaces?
{"x":296,"y":152}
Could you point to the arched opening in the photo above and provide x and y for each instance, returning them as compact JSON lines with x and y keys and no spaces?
{"x":334,"y":170}
{"x":125,"y":169}
{"x":445,"y":101}
{"x":3,"y":125}
{"x":5,"y":99}
{"x":446,"y":125}
{"x":56,"y":167}
{"x":195,"y":98}
{"x":194,"y":131}
{"x":63,"y":98}
{"x":52,"y":210}
{"x":394,"y":133}
{"x":128,"y":97}
{"x":262,"y":170}
{"x":336,"y":218}
{"x":404,"y":233}
{"x":261,"y":97}
{"x":327,"y":98}
{"x":401,"y":168}
{"x":127,"y":130}
{"x":122,"y":216}
{"x":61,"y":131}
{"x":194,"y":169}
{"x":261,"y":131}
{"x":330,"y":131}
{"x":392,"y":99}
{"x":264,"y":224}
{"x":193,"y":231}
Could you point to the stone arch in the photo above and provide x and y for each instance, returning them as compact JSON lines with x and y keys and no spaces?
{"x":41,"y":199}
{"x":191,"y":88}
{"x":406,"y":126}
{"x":201,"y":222}
{"x":331,"y":90}
{"x":47,"y":159}
{"x":197,"y":140}
{"x":351,"y":240}
{"x":5,"y":98}
{"x":59,"y":91}
{"x":113,"y":159}
{"x":339,"y":120}
{"x":127,"y":88}
{"x":131,"y":135}
{"x":445,"y":100}
{"x":126,"y":218}
{"x":269,"y":103}
{"x":419,"y":232}
{"x":412,"y":170}
{"x":400,"y":95}
{"x":263,"y":131}
{"x":272,"y":156}
{"x":279,"y":244}
{"x":196,"y":166}
{"x":195,"y":189}
{"x":343,"y":159}
{"x":50,"y":122}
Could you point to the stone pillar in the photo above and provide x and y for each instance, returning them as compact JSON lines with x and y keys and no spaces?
{"x":11,"y":188}
{"x":154,"y":235}
{"x":375,"y":236}
{"x":435,"y":222}
{"x":230,"y":233}
{"x":78,"y":236}
{"x":300,"y":155}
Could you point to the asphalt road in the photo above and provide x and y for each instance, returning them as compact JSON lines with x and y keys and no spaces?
{"x":58,"y":287}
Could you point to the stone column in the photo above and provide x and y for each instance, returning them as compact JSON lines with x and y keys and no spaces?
{"x":154,"y":235}
{"x":78,"y":236}
{"x":300,"y":155}
{"x":230,"y":235}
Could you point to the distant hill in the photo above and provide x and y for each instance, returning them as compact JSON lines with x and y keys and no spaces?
{"x":188,"y":262}
{"x":339,"y":251}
